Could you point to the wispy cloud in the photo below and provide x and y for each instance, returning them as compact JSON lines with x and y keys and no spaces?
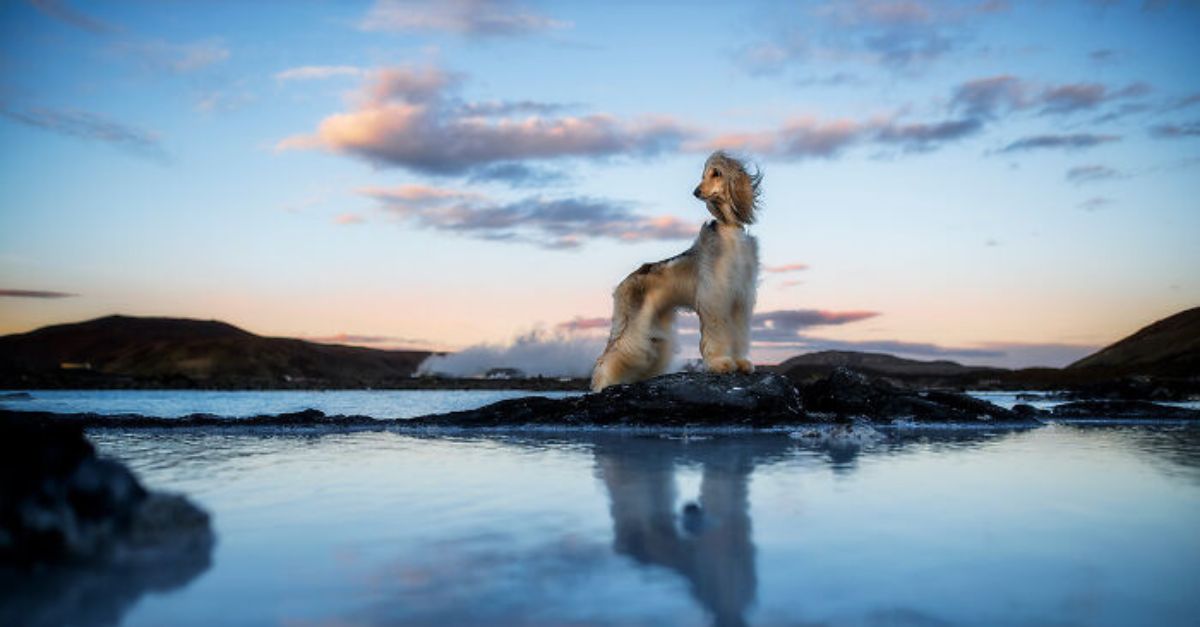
{"x":1176,"y":131}
{"x":994,"y":95}
{"x":790,"y":267}
{"x":517,"y":175}
{"x":64,"y":13}
{"x":900,"y":35}
{"x":376,"y":341}
{"x":409,"y":117}
{"x":1074,"y":141}
{"x":1091,"y":173}
{"x":317,"y":72}
{"x":471,"y":18}
{"x":91,"y":126}
{"x":1095,"y":203}
{"x":814,"y":138}
{"x":555,"y":223}
{"x":10,"y":293}
{"x":346,"y":219}
{"x":579,"y":324}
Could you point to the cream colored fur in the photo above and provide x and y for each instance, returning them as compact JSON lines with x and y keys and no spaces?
{"x":716,"y":278}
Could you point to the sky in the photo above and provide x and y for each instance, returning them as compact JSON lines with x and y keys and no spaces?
{"x":1006,"y":183}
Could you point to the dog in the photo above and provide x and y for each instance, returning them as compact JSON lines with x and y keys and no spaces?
{"x":717,"y":278}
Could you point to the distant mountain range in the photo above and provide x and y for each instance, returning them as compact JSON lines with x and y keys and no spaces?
{"x":125,"y":351}
{"x":132,"y":352}
{"x":1167,"y":350}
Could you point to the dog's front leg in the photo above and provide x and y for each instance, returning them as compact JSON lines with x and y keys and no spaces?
{"x":740,"y":331}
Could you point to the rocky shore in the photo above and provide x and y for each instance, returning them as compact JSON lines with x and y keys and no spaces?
{"x":684,"y":401}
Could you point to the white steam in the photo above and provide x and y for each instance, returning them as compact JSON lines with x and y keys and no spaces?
{"x":537,"y":353}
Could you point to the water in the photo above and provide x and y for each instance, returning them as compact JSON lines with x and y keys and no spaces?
{"x":240,"y":404}
{"x":1057,"y":525}
{"x":374,"y":403}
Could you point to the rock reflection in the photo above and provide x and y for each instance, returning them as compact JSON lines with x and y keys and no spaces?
{"x":707,"y":542}
{"x":98,"y":593}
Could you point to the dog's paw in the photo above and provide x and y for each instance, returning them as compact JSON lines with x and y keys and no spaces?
{"x":721,"y":365}
{"x":744,"y":366}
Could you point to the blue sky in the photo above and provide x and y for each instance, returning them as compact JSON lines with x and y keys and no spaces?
{"x":990,"y":182}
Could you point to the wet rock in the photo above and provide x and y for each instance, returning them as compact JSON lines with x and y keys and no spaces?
{"x":16,"y":396}
{"x":845,"y":393}
{"x":1123,"y":410}
{"x":60,"y":503}
{"x":675,"y":400}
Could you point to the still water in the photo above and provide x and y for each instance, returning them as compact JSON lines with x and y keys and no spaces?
{"x":1060,"y":525}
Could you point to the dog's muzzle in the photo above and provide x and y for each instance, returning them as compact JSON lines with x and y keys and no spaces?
{"x":696,"y":193}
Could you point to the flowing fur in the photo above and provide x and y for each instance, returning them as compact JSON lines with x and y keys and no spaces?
{"x":716,"y":277}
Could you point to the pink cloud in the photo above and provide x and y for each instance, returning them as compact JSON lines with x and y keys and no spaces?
{"x":408,"y":117}
{"x":791,"y":267}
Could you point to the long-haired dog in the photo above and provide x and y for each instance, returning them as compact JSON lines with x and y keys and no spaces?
{"x":716,"y":277}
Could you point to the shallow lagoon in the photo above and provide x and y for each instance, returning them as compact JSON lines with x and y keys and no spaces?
{"x":1058,"y":525}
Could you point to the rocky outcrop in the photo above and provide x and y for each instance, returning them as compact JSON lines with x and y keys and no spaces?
{"x":676,"y":400}
{"x":60,"y":502}
{"x":1123,"y":410}
{"x":845,"y":393}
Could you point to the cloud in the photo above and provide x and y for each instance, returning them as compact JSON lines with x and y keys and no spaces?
{"x":1176,"y":131}
{"x":556,"y":223}
{"x":1095,"y":203}
{"x":786,"y":322}
{"x":923,"y":137}
{"x":791,"y":267}
{"x":483,"y":18}
{"x":1091,"y":173}
{"x":579,"y":325}
{"x":900,"y":35}
{"x":812,"y":138}
{"x":62,"y":12}
{"x":173,"y":58}
{"x":801,"y":138}
{"x":349,"y":218}
{"x":1074,"y":141}
{"x":516,"y":175}
{"x":409,"y":117}
{"x":317,"y":72}
{"x":994,"y":95}
{"x":8,"y":293}
{"x":389,"y":342}
{"x":91,"y":126}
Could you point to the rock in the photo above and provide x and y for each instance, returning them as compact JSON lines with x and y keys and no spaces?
{"x":59,"y":502}
{"x":16,"y":396}
{"x":1123,"y":410}
{"x":845,"y":394}
{"x":675,"y":400}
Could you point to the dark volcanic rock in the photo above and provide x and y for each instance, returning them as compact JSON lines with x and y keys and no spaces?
{"x":1123,"y":410}
{"x":59,"y":502}
{"x":676,"y":400}
{"x":845,"y":393}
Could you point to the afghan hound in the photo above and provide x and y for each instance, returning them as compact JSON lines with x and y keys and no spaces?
{"x":716,"y":277}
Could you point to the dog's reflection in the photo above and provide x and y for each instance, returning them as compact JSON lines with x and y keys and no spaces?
{"x":707,"y":541}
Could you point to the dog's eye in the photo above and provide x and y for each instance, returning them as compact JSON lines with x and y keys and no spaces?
{"x":716,"y":174}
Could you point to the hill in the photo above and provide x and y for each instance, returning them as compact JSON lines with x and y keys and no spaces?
{"x":125,"y":351}
{"x":881,"y":363}
{"x":1169,"y":347}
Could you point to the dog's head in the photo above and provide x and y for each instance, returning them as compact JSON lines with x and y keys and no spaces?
{"x":728,"y":190}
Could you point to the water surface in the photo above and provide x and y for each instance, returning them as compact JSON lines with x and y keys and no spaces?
{"x":1059,"y":525}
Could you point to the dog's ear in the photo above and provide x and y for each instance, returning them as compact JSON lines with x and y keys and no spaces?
{"x":743,"y":193}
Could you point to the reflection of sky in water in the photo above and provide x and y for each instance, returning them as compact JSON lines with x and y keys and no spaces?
{"x":374,"y":403}
{"x":1057,"y":525}
{"x":239,"y":404}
